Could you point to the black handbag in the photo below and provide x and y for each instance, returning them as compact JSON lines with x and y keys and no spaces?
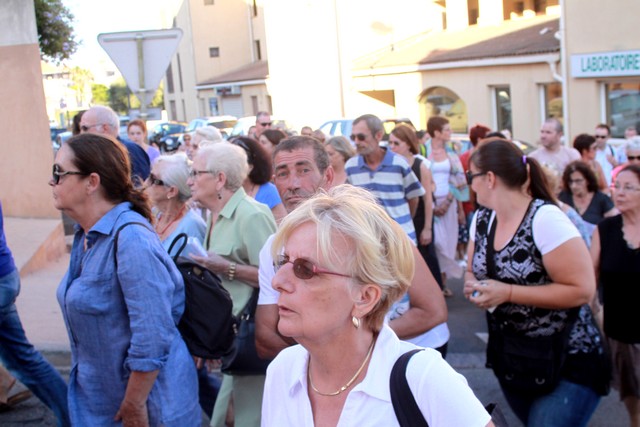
{"x":529,"y":365}
{"x":404,"y":403}
{"x":243,"y":358}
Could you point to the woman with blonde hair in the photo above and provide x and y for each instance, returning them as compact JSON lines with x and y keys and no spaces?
{"x":342,"y":262}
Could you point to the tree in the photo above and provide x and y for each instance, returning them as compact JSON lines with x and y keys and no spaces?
{"x":55,"y":30}
{"x":99,"y":94}
{"x":81,"y":79}
{"x":119,"y":98}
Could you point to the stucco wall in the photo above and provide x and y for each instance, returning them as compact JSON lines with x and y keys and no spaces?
{"x":26,"y":144}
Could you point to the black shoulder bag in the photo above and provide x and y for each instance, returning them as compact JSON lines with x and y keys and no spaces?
{"x":527,"y":365}
{"x":404,"y":403}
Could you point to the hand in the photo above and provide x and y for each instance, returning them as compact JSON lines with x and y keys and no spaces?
{"x":213,"y":262}
{"x":490,"y":293}
{"x":612,"y":160}
{"x":133,"y":414}
{"x":442,"y":209}
{"x":425,"y":236}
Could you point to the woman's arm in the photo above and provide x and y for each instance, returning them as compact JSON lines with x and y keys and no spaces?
{"x":133,"y":409}
{"x":427,"y":306}
{"x":223,"y":268}
{"x":426,"y":235}
{"x":573,"y":282}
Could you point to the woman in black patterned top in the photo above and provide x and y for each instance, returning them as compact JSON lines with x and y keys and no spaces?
{"x":531,"y":270}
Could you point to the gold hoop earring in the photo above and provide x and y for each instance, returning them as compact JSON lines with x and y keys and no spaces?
{"x":355,"y":321}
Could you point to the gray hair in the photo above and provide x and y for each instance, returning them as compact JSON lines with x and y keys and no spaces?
{"x":228,"y":159}
{"x":342,"y":145}
{"x":175,"y":172}
{"x":633,"y":143}
{"x":107,"y":117}
{"x":207,"y":134}
{"x":373,"y":123}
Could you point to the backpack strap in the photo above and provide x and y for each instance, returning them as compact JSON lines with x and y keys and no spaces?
{"x":115,"y":240}
{"x":404,"y":404}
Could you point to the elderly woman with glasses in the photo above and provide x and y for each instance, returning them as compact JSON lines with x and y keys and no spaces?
{"x":238,"y":228}
{"x":169,"y":193}
{"x":615,"y":250}
{"x":121,"y":298}
{"x":342,"y":262}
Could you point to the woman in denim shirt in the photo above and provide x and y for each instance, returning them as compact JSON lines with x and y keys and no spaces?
{"x":129,"y":364}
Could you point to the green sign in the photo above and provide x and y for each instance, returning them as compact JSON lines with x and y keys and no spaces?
{"x":606,"y":64}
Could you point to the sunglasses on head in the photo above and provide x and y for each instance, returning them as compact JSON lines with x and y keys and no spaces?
{"x":56,"y":175}
{"x":359,"y":136}
{"x":303,"y":268}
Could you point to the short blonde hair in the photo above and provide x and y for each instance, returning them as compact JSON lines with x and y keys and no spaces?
{"x":228,"y":159}
{"x":381,"y":251}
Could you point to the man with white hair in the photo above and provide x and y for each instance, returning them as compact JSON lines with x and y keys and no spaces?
{"x":104,"y":121}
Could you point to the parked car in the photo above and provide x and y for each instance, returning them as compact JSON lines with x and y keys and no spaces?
{"x":167,"y":135}
{"x":224,"y":124}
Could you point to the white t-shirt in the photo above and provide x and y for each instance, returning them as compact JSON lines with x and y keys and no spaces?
{"x":440,"y":172}
{"x":550,"y":228}
{"x":441,"y":393}
{"x":266,"y":271}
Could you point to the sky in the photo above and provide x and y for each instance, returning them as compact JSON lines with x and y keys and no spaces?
{"x":92,"y":17}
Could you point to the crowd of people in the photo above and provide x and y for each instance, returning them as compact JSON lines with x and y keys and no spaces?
{"x":345,"y":246}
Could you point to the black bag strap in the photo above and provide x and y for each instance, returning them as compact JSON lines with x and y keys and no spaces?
{"x":185,"y":238}
{"x":404,"y":404}
{"x":491,"y":262}
{"x":115,"y":240}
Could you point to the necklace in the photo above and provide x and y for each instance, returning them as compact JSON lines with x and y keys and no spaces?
{"x":180,"y":214}
{"x":348,"y":384}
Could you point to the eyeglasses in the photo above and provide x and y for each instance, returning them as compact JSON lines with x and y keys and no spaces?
{"x":633,"y":157}
{"x":576,"y":181}
{"x":303,"y":268}
{"x":470,"y":176}
{"x":155,"y":181}
{"x":601,"y":137}
{"x":359,"y":136}
{"x":84,"y":128}
{"x":194,"y":173}
{"x":56,"y":175}
{"x":265,"y":124}
{"x":625,"y":189}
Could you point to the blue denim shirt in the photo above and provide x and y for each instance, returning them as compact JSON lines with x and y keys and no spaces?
{"x":124,"y":320}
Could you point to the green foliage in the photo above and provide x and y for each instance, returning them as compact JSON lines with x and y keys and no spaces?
{"x":55,"y":31}
{"x":119,"y":97}
{"x":99,"y":94}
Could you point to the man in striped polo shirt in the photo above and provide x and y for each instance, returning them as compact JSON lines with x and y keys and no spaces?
{"x":385,"y":174}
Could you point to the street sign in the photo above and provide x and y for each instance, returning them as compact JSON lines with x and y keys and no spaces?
{"x":142,"y":57}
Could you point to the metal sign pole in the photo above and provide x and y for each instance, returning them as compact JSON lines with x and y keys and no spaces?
{"x":141,"y":90}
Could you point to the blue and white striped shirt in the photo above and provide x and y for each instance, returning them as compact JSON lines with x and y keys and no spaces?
{"x":392,"y":182}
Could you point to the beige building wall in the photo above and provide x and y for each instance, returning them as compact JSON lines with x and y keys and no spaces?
{"x":26,"y":143}
{"x":617,"y":31}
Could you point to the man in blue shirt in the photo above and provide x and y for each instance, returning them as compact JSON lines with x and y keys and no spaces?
{"x":16,"y":352}
{"x":104,"y":121}
{"x":388,"y":176}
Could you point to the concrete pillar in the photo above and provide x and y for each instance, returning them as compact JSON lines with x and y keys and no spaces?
{"x":25,"y":142}
{"x":457,"y":15}
{"x":491,"y":12}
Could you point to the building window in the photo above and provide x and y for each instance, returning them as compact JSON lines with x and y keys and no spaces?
{"x":622,"y":106}
{"x":256,"y":43}
{"x":169,"y":78}
{"x":180,"y":73}
{"x":214,"y":52}
{"x":172,"y":110}
{"x":440,"y":101}
{"x":503,"y":108}
{"x":213,"y":107}
{"x":254,"y":104}
{"x":553,"y":101}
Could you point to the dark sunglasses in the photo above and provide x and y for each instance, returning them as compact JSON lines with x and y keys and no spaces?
{"x":155,"y":181}
{"x":359,"y":136}
{"x":470,"y":176}
{"x":633,"y":157}
{"x":601,"y":137}
{"x":302,"y":268}
{"x":56,"y":175}
{"x":265,"y":124}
